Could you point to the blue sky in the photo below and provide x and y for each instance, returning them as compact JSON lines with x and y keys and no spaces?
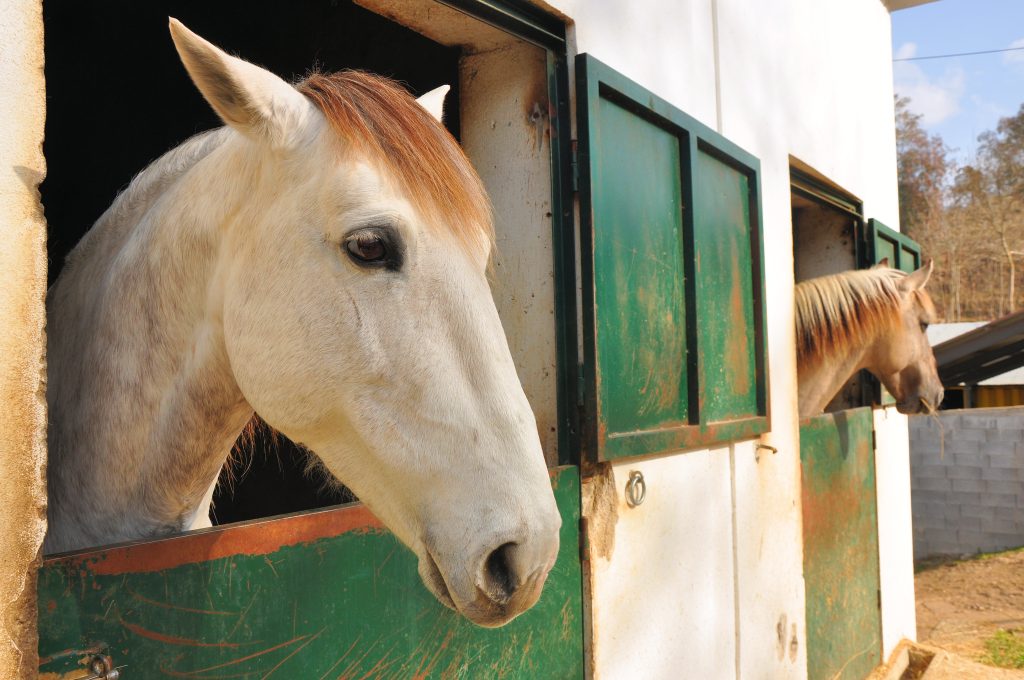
{"x":960,"y":97}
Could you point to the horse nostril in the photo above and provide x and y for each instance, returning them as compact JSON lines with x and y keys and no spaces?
{"x":500,"y":582}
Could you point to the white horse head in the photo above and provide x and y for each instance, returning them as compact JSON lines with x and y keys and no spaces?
{"x":348,"y":296}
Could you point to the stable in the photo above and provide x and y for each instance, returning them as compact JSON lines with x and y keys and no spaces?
{"x":660,"y":176}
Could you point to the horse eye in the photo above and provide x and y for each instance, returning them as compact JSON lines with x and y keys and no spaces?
{"x":924,"y":326}
{"x":367,"y":248}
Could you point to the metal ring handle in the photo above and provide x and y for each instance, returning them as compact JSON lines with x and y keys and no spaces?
{"x":636,"y":489}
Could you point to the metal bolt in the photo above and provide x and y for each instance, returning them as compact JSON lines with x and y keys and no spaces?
{"x":102,"y":668}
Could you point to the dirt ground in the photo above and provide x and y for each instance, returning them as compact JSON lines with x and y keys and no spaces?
{"x":960,"y":603}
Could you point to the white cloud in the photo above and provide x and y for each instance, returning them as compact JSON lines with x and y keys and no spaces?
{"x":936,"y":98}
{"x":1017,"y":57}
{"x":906,"y":51}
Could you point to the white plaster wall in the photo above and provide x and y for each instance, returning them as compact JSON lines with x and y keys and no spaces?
{"x":805,"y":78}
{"x":664,"y":605}
{"x":665,"y":45}
{"x":22,"y":343}
{"x":895,"y":531}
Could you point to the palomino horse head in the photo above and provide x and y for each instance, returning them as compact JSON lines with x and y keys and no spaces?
{"x":902,"y":357}
{"x":873,"y":319}
{"x":358,"y":320}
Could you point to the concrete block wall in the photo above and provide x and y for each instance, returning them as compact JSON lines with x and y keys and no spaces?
{"x":967,"y":481}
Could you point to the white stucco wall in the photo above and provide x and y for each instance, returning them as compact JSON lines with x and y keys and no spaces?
{"x":22,"y":318}
{"x":895,"y":532}
{"x":811,"y":79}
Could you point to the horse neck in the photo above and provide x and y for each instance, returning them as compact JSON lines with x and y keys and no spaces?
{"x":821,"y":379}
{"x":144,"y":408}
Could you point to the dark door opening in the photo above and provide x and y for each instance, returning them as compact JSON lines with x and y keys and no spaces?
{"x":827,"y":239}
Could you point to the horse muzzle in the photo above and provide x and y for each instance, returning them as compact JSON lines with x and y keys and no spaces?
{"x":920,"y":403}
{"x":500,"y":584}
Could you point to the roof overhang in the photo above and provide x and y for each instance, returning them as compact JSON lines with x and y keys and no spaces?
{"x":894,"y":5}
{"x":987,"y":351}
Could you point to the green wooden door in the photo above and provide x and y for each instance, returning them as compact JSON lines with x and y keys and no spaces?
{"x":672,"y":275}
{"x":902,"y":251}
{"x":840,"y":529}
{"x":326,"y":594}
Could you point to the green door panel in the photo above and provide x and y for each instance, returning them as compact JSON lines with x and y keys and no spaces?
{"x":639,"y":281}
{"x":903,"y":252}
{"x":840,"y":529}
{"x":886,"y":250}
{"x":326,"y":594}
{"x":672,"y":273}
{"x":725,"y":306}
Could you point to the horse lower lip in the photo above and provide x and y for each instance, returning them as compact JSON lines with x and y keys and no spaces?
{"x":437,"y":584}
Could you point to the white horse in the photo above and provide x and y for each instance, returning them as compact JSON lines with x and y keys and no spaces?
{"x":873,"y":319}
{"x":321,"y":260}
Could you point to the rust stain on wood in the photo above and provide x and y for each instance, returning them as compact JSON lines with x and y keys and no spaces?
{"x":256,"y":538}
{"x":172,"y":639}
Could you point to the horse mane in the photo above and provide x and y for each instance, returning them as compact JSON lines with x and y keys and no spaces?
{"x":838,"y":312}
{"x":379,"y":117}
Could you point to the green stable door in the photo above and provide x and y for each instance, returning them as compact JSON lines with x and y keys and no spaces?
{"x":840,"y":529}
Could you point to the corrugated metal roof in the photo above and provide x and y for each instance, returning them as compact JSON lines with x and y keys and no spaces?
{"x":987,"y":351}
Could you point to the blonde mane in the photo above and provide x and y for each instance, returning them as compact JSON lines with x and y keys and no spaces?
{"x":381,"y":119}
{"x":835,"y":313}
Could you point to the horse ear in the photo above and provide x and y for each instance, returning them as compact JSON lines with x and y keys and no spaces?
{"x":918,"y":279}
{"x":433,"y":101}
{"x":248,"y":98}
{"x":882,"y":264}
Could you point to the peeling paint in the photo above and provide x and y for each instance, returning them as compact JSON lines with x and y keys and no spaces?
{"x":22,"y":336}
{"x":600,"y":511}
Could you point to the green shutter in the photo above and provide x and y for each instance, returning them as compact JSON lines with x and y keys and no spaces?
{"x":672,"y":275}
{"x":903,"y":252}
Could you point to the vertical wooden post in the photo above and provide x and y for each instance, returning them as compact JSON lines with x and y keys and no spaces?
{"x":22,"y":334}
